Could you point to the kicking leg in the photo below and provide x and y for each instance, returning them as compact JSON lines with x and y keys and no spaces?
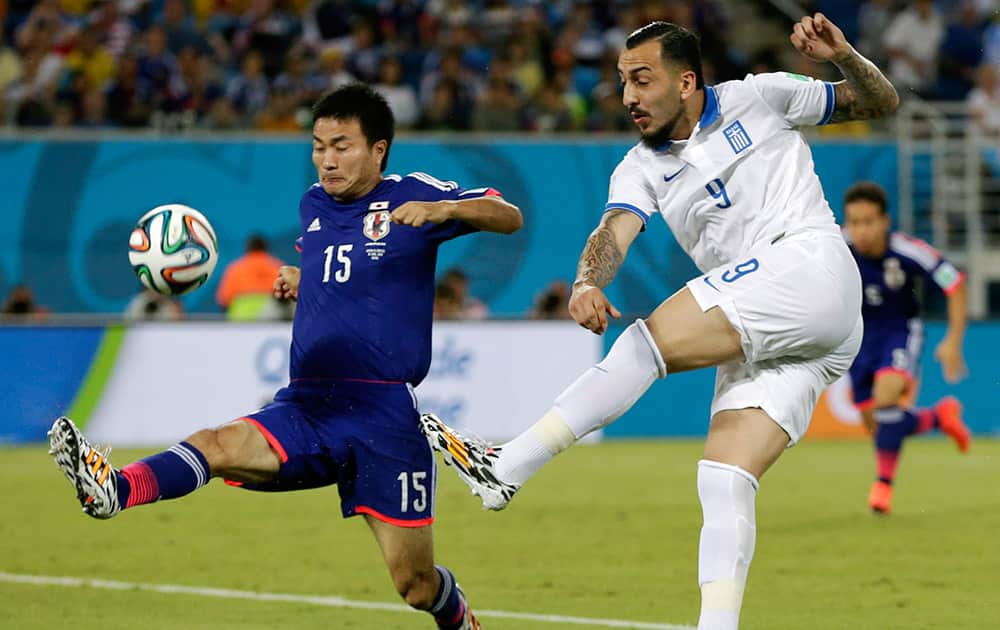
{"x":409,"y":555}
{"x":237,"y":451}
{"x":742,"y":444}
{"x":677,"y":337}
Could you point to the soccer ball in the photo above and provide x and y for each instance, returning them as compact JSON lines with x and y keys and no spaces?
{"x":173,"y":249}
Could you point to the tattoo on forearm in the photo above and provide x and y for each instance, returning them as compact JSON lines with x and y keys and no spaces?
{"x":601,"y":256}
{"x":865,"y":94}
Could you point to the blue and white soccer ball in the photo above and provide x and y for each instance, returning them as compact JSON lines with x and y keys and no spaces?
{"x":173,"y":249}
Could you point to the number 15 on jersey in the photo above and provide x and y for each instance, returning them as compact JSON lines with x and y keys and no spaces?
{"x":343,"y":270}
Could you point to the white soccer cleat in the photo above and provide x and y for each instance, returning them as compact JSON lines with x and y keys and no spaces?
{"x":472,"y":458}
{"x":95,"y":480}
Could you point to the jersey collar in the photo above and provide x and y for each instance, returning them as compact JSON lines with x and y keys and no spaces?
{"x":711,"y":112}
{"x":365,"y":198}
{"x":708,"y":116}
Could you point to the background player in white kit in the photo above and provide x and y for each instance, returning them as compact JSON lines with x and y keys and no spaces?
{"x":777,"y":309}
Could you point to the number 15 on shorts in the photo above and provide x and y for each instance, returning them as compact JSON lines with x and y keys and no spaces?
{"x":413,"y":486}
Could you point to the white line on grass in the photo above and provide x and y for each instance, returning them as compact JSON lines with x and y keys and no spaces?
{"x":317,"y":600}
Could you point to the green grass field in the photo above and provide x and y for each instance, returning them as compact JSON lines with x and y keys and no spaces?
{"x":607,"y":531}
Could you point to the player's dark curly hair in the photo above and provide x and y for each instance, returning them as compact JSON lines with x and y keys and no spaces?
{"x":868,"y":191}
{"x":361,"y":102}
{"x":678,"y":45}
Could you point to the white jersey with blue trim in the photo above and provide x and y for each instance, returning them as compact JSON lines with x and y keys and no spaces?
{"x":745,"y":174}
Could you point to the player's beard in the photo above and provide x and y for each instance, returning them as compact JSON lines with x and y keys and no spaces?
{"x":661,"y":136}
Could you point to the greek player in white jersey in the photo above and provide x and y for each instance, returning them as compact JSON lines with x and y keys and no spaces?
{"x":778,"y":308}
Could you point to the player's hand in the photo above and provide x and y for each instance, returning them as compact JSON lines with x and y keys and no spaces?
{"x":590,"y":308}
{"x":819,"y":39}
{"x":286,"y":285}
{"x":949,"y":355}
{"x":416,"y":213}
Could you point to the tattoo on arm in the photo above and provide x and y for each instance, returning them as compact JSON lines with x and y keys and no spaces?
{"x":602,"y":257}
{"x":865,"y":93}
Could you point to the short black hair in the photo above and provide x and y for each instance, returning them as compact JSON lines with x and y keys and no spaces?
{"x":361,"y":102}
{"x":868,"y":191}
{"x":678,"y":45}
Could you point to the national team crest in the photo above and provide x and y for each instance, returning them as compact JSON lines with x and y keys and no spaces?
{"x":893,"y":274}
{"x":738,"y":138}
{"x":377,"y":224}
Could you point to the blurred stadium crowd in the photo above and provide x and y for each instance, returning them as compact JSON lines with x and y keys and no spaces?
{"x":496,"y":65}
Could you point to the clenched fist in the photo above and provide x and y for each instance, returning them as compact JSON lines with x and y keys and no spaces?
{"x":286,"y":285}
{"x":819,"y":39}
{"x":416,"y":213}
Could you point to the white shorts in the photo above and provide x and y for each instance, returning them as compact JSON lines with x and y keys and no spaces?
{"x":796,"y":304}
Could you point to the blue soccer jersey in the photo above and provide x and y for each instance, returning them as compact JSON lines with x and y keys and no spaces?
{"x":366,"y":295}
{"x":890,"y":282}
{"x":891,"y":308}
{"x":360,"y":341}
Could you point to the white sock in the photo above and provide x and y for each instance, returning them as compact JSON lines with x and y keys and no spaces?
{"x":525,"y":454}
{"x":594,"y":400}
{"x":728,"y":535}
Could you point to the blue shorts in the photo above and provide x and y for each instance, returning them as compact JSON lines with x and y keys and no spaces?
{"x":885,"y":349}
{"x":364,"y":437}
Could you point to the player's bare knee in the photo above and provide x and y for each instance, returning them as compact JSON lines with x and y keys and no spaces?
{"x":746,"y":438}
{"x":225,"y":448}
{"x":207,"y":442}
{"x":417,"y":588}
{"x":888,"y":390}
{"x":887,"y":400}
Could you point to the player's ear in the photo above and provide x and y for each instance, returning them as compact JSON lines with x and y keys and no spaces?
{"x":689,"y":83}
{"x":379,"y":148}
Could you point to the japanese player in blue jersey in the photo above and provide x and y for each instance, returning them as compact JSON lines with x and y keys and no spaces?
{"x":361,"y":341}
{"x":893,"y":267}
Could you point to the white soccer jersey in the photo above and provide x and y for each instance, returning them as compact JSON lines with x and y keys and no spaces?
{"x":744,"y":175}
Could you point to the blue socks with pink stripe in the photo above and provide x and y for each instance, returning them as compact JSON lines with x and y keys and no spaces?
{"x":895,"y":425}
{"x":449,"y":605}
{"x":180,"y":470}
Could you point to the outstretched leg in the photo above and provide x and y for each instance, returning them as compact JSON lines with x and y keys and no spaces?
{"x":678,"y":336}
{"x":237,"y":451}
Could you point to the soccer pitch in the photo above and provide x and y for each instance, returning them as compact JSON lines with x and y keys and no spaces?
{"x":606,"y":532}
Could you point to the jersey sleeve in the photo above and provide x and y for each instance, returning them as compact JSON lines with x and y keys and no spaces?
{"x":929,"y":261}
{"x":424,"y":187}
{"x":304,"y":210}
{"x":796,"y":98}
{"x":629,"y":190}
